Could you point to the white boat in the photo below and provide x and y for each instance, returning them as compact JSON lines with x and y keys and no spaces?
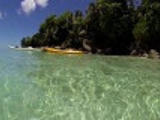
{"x":21,"y":48}
{"x":26,"y":49}
{"x":10,"y":46}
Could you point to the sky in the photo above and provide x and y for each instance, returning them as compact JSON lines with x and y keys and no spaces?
{"x":21,"y":18}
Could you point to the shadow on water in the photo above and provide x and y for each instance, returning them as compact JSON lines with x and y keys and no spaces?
{"x":40,"y":86}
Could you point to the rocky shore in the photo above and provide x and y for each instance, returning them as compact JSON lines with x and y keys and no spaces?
{"x":152,"y":54}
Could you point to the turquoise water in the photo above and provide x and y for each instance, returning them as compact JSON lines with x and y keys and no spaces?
{"x":40,"y":86}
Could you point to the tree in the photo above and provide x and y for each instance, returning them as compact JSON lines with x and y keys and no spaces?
{"x":110,"y":25}
{"x":48,"y":29}
{"x":26,"y":41}
{"x":77,"y":32}
{"x":64,"y":25}
{"x":147,"y":29}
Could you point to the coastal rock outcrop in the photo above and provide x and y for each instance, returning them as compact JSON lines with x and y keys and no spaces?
{"x":153,"y":54}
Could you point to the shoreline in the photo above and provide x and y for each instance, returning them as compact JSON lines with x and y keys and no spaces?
{"x":152,"y":54}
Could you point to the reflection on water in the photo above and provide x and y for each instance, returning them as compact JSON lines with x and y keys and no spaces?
{"x":40,"y":86}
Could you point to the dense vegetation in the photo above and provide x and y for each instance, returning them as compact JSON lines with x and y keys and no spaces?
{"x":109,"y":26}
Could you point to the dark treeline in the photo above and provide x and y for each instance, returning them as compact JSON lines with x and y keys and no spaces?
{"x":109,"y":27}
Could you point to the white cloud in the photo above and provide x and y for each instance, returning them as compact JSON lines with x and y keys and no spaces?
{"x":28,"y":6}
{"x":42,"y":3}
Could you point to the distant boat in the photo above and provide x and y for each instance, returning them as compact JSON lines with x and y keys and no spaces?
{"x":10,"y":46}
{"x":26,"y":49}
{"x":20,"y":48}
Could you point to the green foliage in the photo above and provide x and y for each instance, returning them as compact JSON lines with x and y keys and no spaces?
{"x":26,"y":42}
{"x":110,"y":26}
{"x":141,"y":34}
{"x":147,"y":29}
{"x":77,"y":32}
{"x":114,"y":25}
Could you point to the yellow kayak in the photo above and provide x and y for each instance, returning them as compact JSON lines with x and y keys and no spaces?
{"x":59,"y":51}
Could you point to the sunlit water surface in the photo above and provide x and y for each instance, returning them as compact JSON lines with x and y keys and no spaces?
{"x":40,"y":86}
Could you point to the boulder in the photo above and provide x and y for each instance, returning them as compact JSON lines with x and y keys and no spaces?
{"x":153,"y":54}
{"x":86,"y":45}
{"x":145,"y":55}
{"x":134,"y":52}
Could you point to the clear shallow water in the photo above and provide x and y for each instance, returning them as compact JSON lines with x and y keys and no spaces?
{"x":39,"y":86}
